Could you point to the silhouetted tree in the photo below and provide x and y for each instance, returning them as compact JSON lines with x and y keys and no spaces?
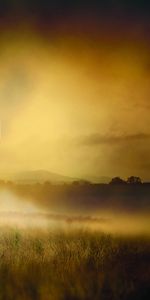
{"x":47,"y":183}
{"x":81,"y":182}
{"x":134,"y":180}
{"x":85,"y":182}
{"x":117,"y":180}
{"x":76,"y":183}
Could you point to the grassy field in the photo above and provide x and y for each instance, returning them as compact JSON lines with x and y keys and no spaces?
{"x":70,"y":265}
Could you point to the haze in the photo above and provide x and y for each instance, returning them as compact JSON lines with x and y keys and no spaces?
{"x":20,"y":212}
{"x":74,"y":92}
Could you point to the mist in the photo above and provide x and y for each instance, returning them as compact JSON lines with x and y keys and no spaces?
{"x":59,"y":85}
{"x":25,"y":213}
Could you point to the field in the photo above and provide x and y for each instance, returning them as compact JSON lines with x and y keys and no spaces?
{"x":73,"y":264}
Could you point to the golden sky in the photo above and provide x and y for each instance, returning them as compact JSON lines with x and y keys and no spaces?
{"x":75,"y":104}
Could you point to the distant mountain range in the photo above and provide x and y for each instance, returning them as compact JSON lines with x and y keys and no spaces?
{"x":43,"y":175}
{"x":39,"y":176}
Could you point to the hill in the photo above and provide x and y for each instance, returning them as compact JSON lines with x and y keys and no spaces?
{"x":37,"y":176}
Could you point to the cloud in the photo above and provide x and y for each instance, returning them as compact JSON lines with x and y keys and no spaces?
{"x":98,"y":139}
{"x":118,"y":155}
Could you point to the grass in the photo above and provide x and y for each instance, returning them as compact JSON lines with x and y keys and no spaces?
{"x":71,"y":265}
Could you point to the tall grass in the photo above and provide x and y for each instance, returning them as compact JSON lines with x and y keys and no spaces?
{"x":70,"y":265}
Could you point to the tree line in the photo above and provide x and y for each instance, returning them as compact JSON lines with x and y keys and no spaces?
{"x":130,"y":180}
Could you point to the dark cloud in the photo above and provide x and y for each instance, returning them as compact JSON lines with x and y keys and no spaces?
{"x":43,"y":5}
{"x":131,"y":157}
{"x":47,"y":11}
{"x":98,"y":139}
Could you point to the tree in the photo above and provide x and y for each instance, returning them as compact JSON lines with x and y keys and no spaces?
{"x":134,"y":180}
{"x":81,"y":182}
{"x":47,"y":183}
{"x":117,"y":180}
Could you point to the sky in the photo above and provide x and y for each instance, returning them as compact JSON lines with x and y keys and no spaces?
{"x":74,"y":87}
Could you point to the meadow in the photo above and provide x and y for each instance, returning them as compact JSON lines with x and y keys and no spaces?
{"x":73,"y":264}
